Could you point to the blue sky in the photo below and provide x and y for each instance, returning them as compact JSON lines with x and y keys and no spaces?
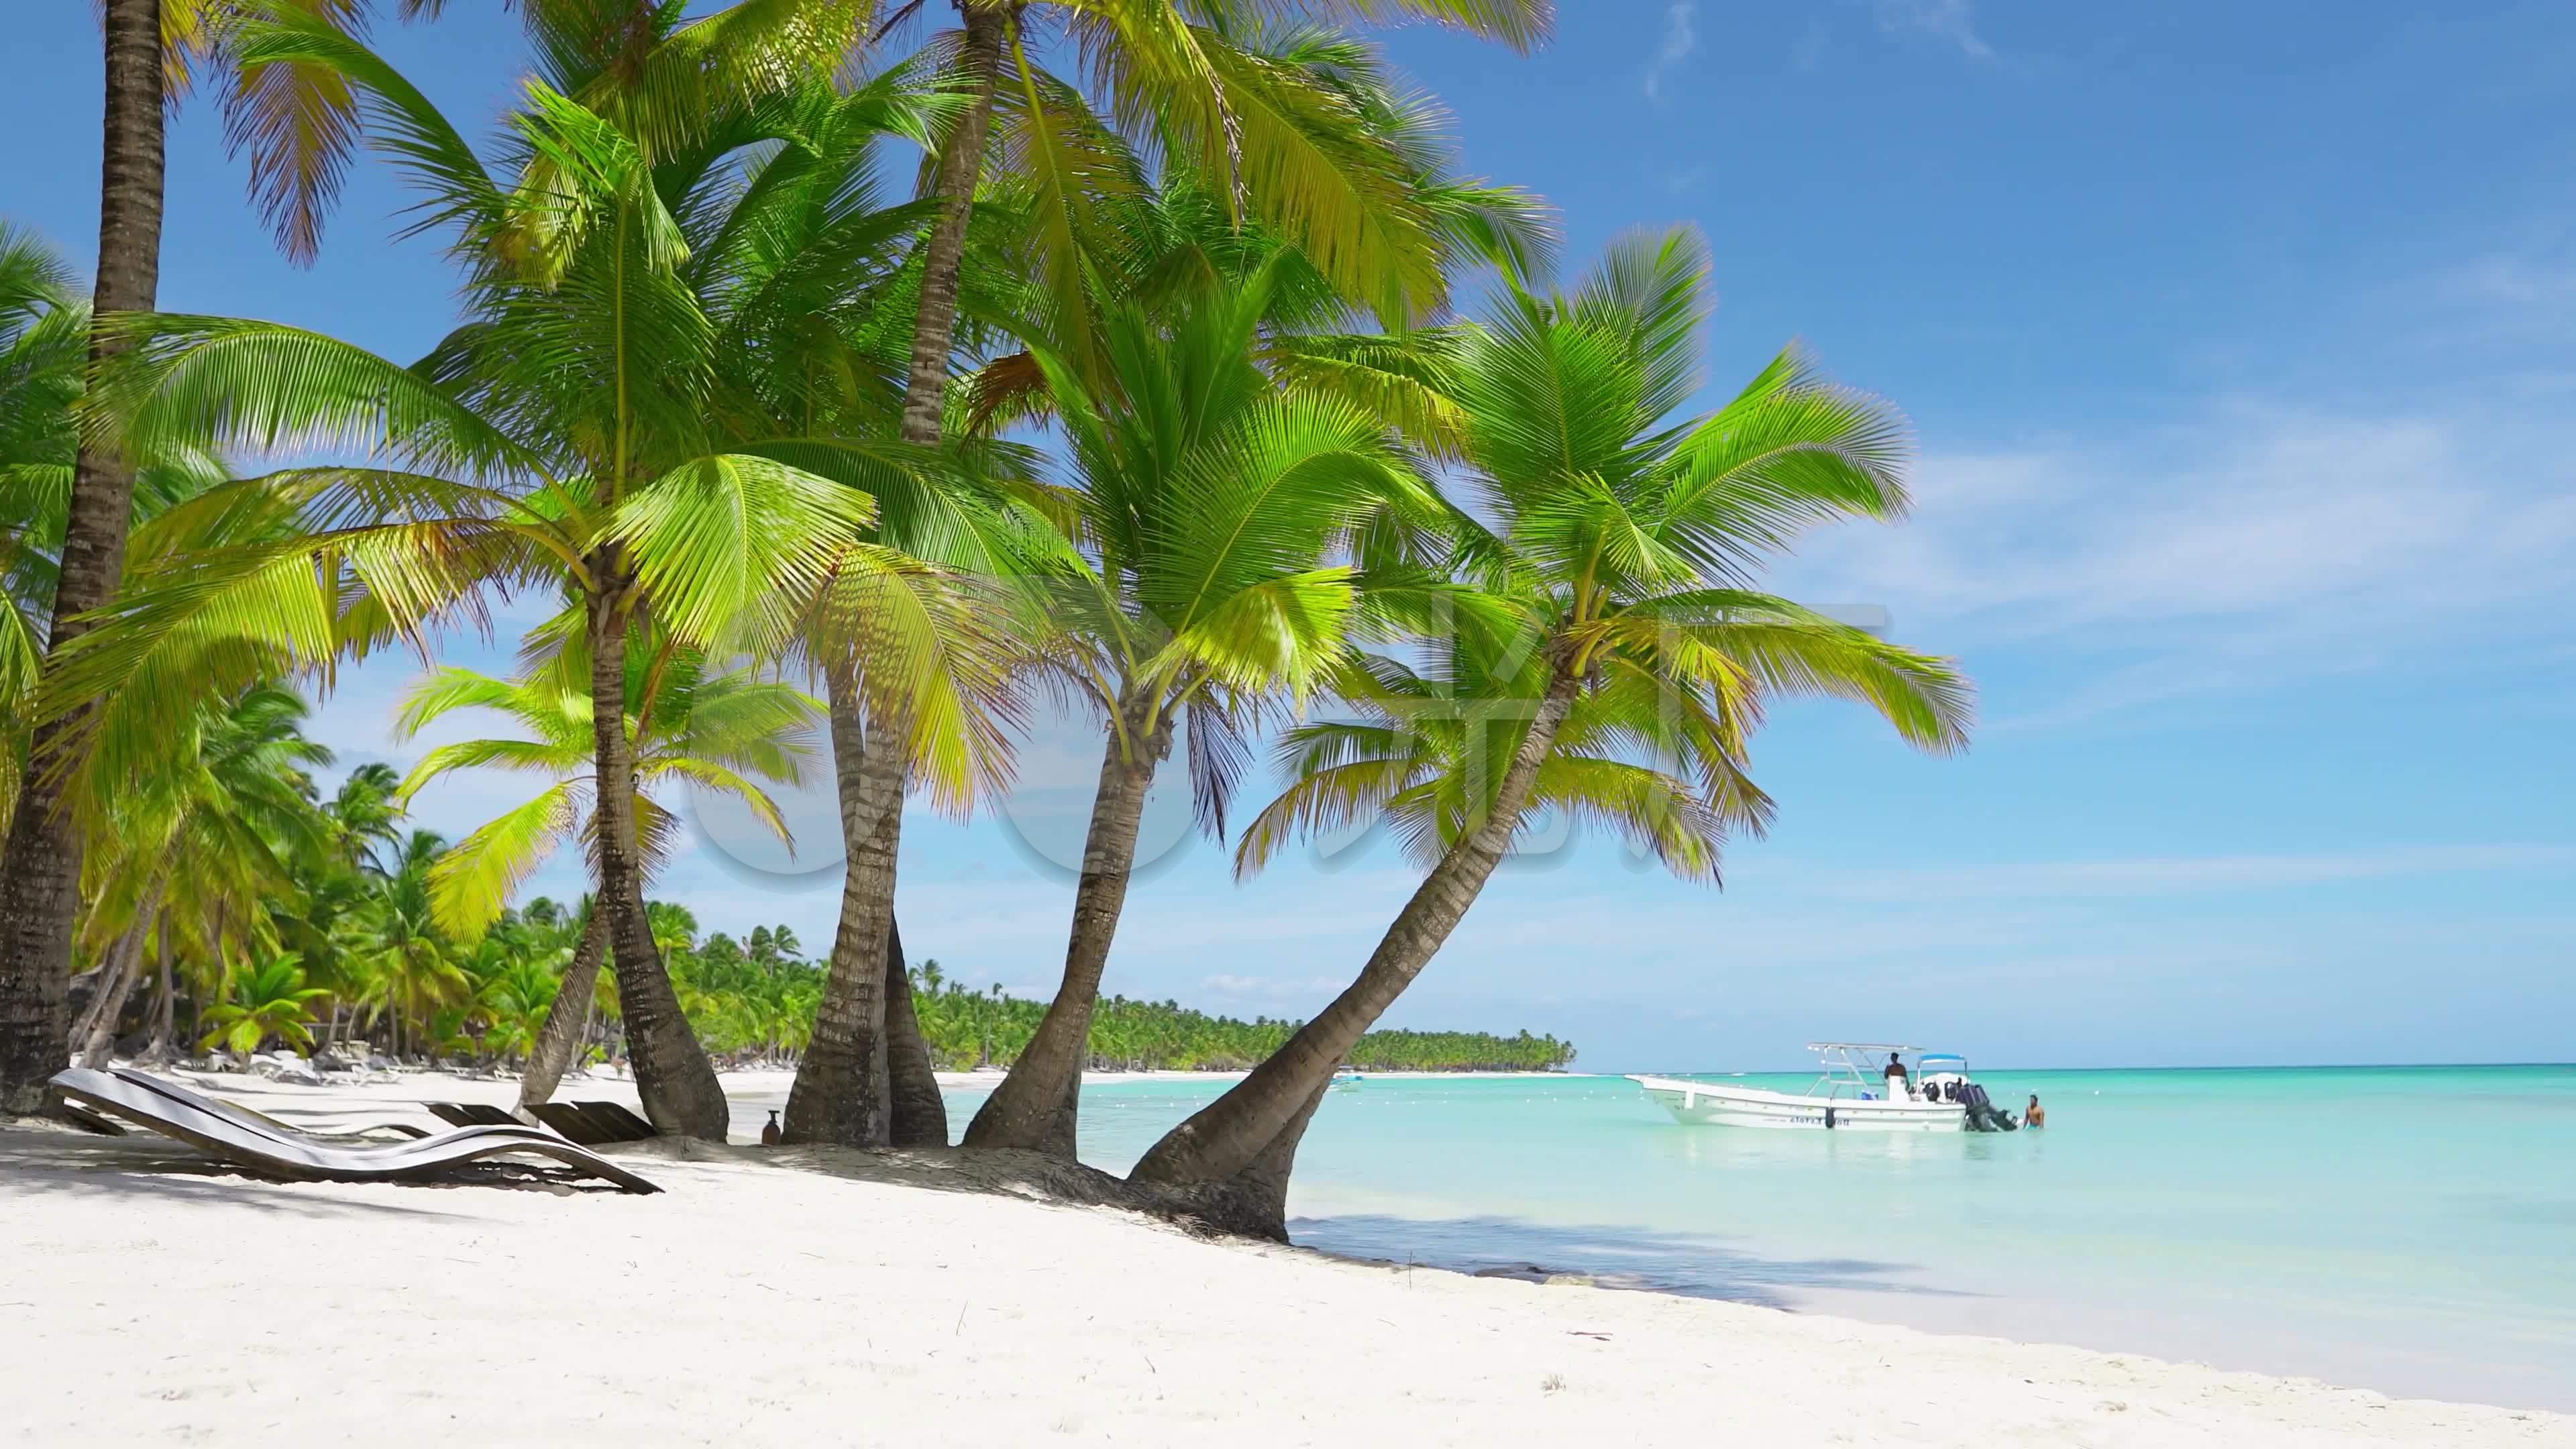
{"x":2237,"y":340}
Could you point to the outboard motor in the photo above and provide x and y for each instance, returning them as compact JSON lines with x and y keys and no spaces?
{"x":1983,"y":1114}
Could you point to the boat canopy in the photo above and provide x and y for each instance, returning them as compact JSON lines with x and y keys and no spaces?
{"x":1944,"y":1058}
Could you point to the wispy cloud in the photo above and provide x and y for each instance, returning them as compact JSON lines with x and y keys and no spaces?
{"x":1681,"y":37}
{"x":2177,"y":875}
{"x":1953,"y":21}
{"x":1272,"y":986}
{"x":2256,"y":547}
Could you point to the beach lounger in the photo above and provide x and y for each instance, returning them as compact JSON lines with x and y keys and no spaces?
{"x":345,"y":1134}
{"x":569,"y":1120}
{"x":260,"y":1124}
{"x":471,"y":1114}
{"x":612,"y":1118}
{"x":235,"y":1135}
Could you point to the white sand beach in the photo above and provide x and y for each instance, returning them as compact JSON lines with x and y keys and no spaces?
{"x":770,"y":1297}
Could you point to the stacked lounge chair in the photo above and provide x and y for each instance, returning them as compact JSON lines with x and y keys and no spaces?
{"x":245,"y":1138}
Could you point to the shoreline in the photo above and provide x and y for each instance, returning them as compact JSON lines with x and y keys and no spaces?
{"x":779,"y":1293}
{"x":741,"y":1184}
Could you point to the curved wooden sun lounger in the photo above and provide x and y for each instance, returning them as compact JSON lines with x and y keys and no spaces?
{"x":472,"y":1114}
{"x":613,"y":1118}
{"x":229,"y":1134}
{"x":260,"y":1124}
{"x":570,"y":1121}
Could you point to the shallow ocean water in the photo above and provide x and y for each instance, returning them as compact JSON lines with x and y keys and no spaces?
{"x":2407,"y":1229}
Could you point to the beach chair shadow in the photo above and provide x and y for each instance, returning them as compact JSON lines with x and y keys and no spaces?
{"x":247,"y":1139}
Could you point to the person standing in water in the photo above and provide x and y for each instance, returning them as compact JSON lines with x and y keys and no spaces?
{"x":2032,"y":1115}
{"x":1896,"y":1077}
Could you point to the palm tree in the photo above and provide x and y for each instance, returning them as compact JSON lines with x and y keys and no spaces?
{"x":1193,"y":81}
{"x":1613,"y":550}
{"x":151,"y":46}
{"x":40,"y":868}
{"x":720,"y":731}
{"x":410,"y":963}
{"x":1198,"y":85}
{"x":1213,"y":497}
{"x":363,"y":814}
{"x":561,"y":438}
{"x":269,"y":1000}
{"x":44,"y":333}
{"x":218,"y":823}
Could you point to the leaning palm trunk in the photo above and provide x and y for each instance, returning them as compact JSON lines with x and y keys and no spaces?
{"x":568,"y":1019}
{"x":1257,"y":1124}
{"x":159,"y":1053}
{"x":920,"y":1115}
{"x":98,"y":1042}
{"x":961,"y":165}
{"x":672,"y":1075}
{"x":1036,"y":1104}
{"x":40,"y":872}
{"x":842,"y":1090}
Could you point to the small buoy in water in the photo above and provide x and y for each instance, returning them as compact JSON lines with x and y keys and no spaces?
{"x":769,"y":1133}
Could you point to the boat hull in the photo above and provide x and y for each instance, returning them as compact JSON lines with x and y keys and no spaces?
{"x":1705,"y":1104}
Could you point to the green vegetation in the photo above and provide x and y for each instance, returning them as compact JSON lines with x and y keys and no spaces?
{"x":1148,"y":399}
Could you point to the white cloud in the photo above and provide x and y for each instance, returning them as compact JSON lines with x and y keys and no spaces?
{"x":1681,"y":37}
{"x":2176,"y":875}
{"x":2255,"y":548}
{"x":1950,"y":20}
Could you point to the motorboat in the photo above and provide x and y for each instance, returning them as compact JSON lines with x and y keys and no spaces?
{"x":1852,"y":1092}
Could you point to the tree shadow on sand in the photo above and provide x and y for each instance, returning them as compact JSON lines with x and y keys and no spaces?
{"x":1611,"y":1257}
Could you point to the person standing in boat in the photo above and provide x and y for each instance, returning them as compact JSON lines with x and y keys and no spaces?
{"x":1897,"y":1078}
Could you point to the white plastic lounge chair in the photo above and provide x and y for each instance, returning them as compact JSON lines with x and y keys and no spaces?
{"x":235,"y":1136}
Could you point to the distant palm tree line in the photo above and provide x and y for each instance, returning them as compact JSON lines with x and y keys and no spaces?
{"x":748,"y":413}
{"x":344,"y":953}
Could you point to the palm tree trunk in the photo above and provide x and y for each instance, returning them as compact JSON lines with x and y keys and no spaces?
{"x":1035,"y":1106}
{"x":100,"y":1048}
{"x":159,"y":1052}
{"x":568,"y":1020}
{"x":961,"y":165}
{"x":1231,"y":1133}
{"x":846,"y":1077}
{"x":40,"y":870}
{"x":679,"y":1088}
{"x":920,"y":1115}
{"x":842,"y":1088}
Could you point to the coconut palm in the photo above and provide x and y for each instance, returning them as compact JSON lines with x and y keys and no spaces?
{"x":1199,"y":84}
{"x":719,"y":731}
{"x":152,"y":48}
{"x":1222,"y":92}
{"x":409,"y":964}
{"x":268,"y":1000}
{"x":1214,"y":499}
{"x":212,"y":830}
{"x":40,"y":868}
{"x":1614,"y":551}
{"x":574,"y":434}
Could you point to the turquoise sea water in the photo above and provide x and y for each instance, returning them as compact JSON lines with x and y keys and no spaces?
{"x":2408,"y":1229}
